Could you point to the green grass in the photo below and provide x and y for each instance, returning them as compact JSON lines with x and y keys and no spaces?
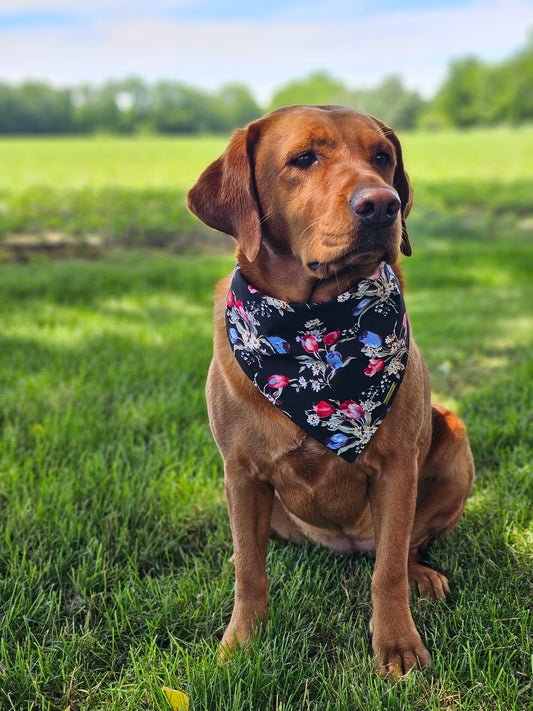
{"x":114,"y":537}
{"x":155,"y":162}
{"x":144,"y":162}
{"x":484,"y":154}
{"x":131,"y":191}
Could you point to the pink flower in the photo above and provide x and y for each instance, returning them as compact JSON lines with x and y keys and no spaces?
{"x":323,"y":409}
{"x":309,"y":343}
{"x":351,"y":409}
{"x":374,"y":366}
{"x":278,"y":381}
{"x":229,"y":300}
{"x":241,"y":310}
{"x":331,"y":338}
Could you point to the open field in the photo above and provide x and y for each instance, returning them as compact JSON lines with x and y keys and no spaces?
{"x":163,"y":162}
{"x":114,"y":537}
{"x":131,"y":191}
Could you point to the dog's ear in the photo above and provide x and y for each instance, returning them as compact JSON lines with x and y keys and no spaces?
{"x":401,"y":184}
{"x":224,"y":196}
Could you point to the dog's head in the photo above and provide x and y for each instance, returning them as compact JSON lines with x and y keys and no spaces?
{"x":325,"y":186}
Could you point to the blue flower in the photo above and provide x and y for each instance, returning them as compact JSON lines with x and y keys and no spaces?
{"x":334,"y":360}
{"x":361,"y":306}
{"x":233,"y":335}
{"x":336,"y":441}
{"x":279,"y":344}
{"x":370,"y":339}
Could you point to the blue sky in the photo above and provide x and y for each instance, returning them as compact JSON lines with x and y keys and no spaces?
{"x":263,"y":44}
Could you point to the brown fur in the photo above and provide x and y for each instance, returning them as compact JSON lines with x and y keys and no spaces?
{"x":300,"y":237}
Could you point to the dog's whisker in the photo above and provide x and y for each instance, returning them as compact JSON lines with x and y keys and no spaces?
{"x":310,"y":227}
{"x":265,"y":217}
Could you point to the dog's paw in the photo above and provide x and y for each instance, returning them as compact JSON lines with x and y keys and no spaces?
{"x":227,"y":649}
{"x":241,"y":631}
{"x":399,"y":658}
{"x":427,"y":582}
{"x":232,"y":644}
{"x":400,"y":663}
{"x":397,"y":651}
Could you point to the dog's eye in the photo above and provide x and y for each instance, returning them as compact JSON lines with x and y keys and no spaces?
{"x":382,"y":159}
{"x":304,"y":160}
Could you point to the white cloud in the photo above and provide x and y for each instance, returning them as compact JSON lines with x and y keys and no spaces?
{"x":73,"y":8}
{"x":415,"y":44}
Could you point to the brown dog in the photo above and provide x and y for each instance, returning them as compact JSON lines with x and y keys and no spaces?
{"x":316,"y":197}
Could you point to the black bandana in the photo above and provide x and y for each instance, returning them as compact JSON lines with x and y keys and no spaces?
{"x":333,"y":368}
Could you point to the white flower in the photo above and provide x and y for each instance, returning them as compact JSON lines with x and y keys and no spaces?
{"x":251,"y":341}
{"x":315,"y":385}
{"x":366,"y":434}
{"x":277,"y":303}
{"x":369,"y":405}
{"x":344,"y":297}
{"x":314,"y":323}
{"x":370,"y":351}
{"x":315,"y":368}
{"x":313,"y":419}
{"x":302,"y":382}
{"x":395,"y":366}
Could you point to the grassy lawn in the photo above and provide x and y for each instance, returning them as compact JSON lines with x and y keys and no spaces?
{"x":131,"y":191}
{"x":114,"y":572}
{"x":141,"y":162}
{"x":114,"y":537}
{"x":97,"y":162}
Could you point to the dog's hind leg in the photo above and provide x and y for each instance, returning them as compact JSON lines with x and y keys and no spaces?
{"x":282,"y":524}
{"x":446,"y":482}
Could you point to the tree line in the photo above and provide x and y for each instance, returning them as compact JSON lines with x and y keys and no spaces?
{"x":124,"y":107}
{"x":473,"y":93}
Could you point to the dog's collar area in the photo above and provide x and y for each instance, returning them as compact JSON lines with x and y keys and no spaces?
{"x":251,"y":289}
{"x":332,"y":367}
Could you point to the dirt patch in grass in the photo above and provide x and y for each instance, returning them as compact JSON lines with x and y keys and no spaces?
{"x":56,"y":245}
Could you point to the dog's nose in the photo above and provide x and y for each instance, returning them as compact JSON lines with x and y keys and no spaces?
{"x":376,"y":207}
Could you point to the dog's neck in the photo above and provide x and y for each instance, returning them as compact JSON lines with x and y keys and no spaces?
{"x":282,"y":276}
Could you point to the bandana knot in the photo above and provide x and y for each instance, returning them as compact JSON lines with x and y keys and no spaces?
{"x":333,"y":368}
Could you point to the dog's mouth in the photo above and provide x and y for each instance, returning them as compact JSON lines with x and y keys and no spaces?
{"x":352,"y":260}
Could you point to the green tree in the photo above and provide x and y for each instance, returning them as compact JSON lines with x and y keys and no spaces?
{"x":9,"y":122}
{"x":391,"y":103}
{"x":475,"y":92}
{"x":134,"y":101}
{"x":514,"y":88}
{"x":34,"y":108}
{"x":459,"y":100}
{"x":318,"y":88}
{"x":179,"y":108}
{"x":232,"y":106}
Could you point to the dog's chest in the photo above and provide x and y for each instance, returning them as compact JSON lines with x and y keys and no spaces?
{"x":320,"y":489}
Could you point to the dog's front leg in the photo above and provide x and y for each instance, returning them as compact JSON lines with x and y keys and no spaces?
{"x":395,"y":640}
{"x":250,"y":503}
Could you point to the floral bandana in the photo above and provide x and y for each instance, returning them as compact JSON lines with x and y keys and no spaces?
{"x":333,"y":368}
